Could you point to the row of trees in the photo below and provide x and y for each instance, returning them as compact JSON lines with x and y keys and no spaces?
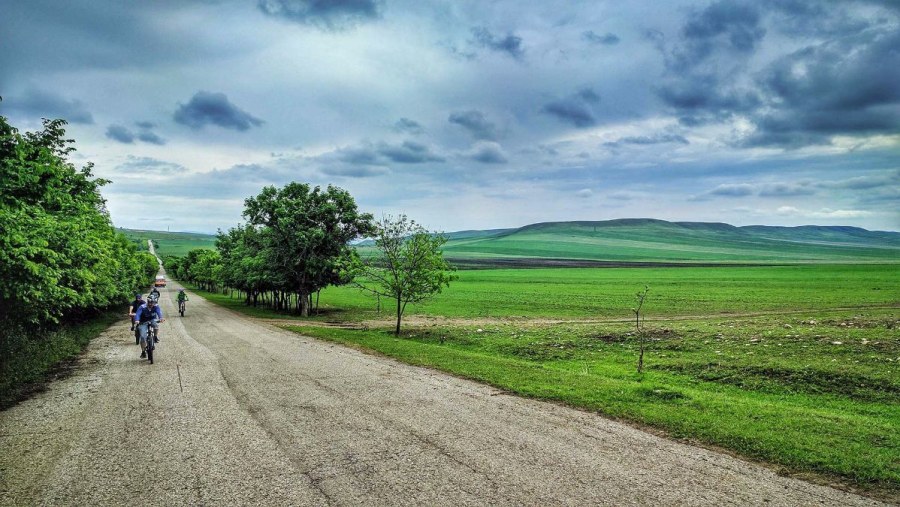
{"x":60,"y":257}
{"x":296,"y":241}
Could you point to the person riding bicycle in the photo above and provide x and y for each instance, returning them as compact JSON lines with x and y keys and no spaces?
{"x":150,"y":314}
{"x":154,"y":293}
{"x":182,"y":296}
{"x":133,"y":308}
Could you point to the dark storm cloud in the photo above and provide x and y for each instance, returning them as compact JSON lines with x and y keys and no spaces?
{"x":145,"y":133}
{"x":609,"y":39}
{"x":408,"y":126}
{"x":327,"y":14}
{"x":487,"y":152}
{"x":120,"y":133}
{"x":705,"y":94}
{"x":362,"y":155}
{"x":124,"y":135}
{"x":410,"y":152}
{"x":723,"y":25}
{"x":842,"y":83}
{"x":648,"y":140}
{"x":37,"y":103}
{"x":577,"y":109}
{"x":207,"y":108}
{"x":844,"y":87}
{"x":150,"y":137}
{"x":510,"y":44}
{"x":475,"y":122}
{"x":705,"y":61}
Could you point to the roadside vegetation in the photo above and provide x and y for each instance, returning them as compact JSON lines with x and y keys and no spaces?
{"x":62,"y":264}
{"x":798,"y":366}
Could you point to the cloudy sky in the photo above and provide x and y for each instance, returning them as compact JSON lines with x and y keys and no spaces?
{"x":473,"y":114}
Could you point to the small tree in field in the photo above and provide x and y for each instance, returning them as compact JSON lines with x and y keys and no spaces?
{"x":409,"y":266}
{"x":639,"y":324}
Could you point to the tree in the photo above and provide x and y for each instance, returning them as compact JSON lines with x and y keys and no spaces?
{"x":639,"y":324}
{"x":409,"y":266}
{"x":305,"y":235}
{"x":58,"y":249}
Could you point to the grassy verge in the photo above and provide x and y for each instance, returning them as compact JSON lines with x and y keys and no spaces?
{"x":816,"y":399}
{"x":37,"y":356}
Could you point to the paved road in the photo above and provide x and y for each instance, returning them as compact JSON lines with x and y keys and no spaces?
{"x":238,"y":412}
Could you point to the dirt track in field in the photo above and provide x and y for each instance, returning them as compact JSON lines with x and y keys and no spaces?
{"x":239,"y":412}
{"x":427,"y":321}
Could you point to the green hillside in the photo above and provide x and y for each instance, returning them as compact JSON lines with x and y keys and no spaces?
{"x":647,"y":240}
{"x":171,"y":243}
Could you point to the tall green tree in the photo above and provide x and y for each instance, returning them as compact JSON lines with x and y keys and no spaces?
{"x":409,"y":266}
{"x":305,"y":233}
{"x":58,"y":249}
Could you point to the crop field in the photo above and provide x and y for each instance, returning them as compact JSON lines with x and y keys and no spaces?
{"x":796,"y":366}
{"x":172,"y":243}
{"x":565,"y":293}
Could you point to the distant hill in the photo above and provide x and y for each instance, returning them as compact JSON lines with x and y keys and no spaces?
{"x":659,"y":241}
{"x":630,"y":241}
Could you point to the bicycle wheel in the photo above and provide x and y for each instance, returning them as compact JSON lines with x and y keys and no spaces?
{"x":181,"y":309}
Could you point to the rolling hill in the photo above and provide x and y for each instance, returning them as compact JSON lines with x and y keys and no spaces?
{"x":658,"y":241}
{"x":632,"y":241}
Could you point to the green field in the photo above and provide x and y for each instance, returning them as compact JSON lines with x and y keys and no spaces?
{"x":609,"y":293}
{"x":171,"y":243}
{"x":645,"y":240}
{"x":791,"y":365}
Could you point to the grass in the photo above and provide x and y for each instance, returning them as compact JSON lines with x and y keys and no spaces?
{"x":791,"y":365}
{"x":609,"y":293}
{"x":172,"y":243}
{"x":37,"y":356}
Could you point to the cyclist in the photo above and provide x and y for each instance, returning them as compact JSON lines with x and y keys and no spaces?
{"x":182,"y":297}
{"x":154,"y":293}
{"x":148,"y":315}
{"x":133,"y":308}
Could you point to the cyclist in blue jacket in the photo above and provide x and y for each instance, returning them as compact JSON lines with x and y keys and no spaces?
{"x":150,"y":314}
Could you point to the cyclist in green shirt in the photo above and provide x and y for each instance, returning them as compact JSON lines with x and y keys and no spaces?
{"x":182,"y":297}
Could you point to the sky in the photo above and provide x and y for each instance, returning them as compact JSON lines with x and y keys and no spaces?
{"x":472,"y":114}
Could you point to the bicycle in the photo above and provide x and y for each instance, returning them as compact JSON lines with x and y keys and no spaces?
{"x":152,"y":338}
{"x":181,"y":307}
{"x":151,"y":342}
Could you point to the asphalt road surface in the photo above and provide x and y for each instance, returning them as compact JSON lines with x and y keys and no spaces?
{"x":236,"y":412}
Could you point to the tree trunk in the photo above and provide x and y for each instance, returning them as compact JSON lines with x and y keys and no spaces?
{"x":399,"y":313}
{"x":303,"y":299}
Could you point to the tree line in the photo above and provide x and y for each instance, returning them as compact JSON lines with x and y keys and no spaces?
{"x":297,"y":240}
{"x":61,"y":259}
